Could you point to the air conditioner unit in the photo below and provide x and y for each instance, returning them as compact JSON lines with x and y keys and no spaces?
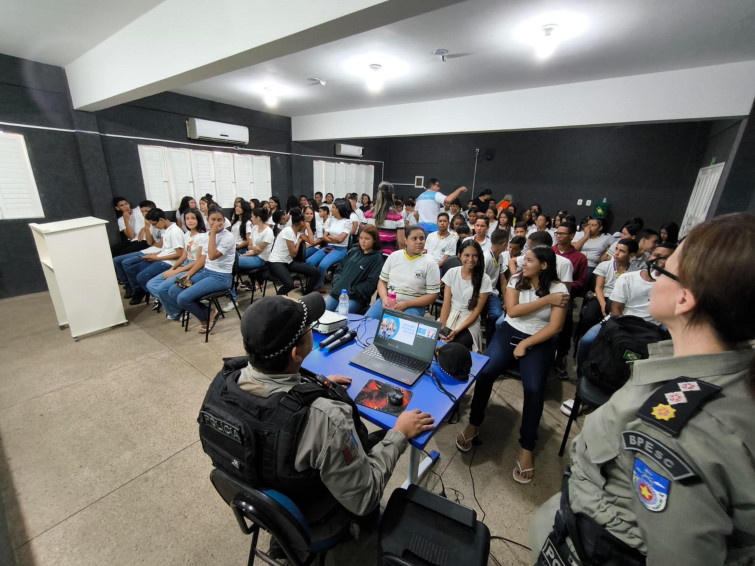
{"x":198,"y":129}
{"x":349,"y":150}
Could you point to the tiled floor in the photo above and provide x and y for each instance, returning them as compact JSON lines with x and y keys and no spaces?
{"x":100,"y":461}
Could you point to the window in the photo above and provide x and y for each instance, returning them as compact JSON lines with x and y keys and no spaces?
{"x":19,"y":197}
{"x":170,"y":174}
{"x":341,"y":178}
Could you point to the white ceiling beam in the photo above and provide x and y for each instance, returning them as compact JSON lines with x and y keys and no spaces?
{"x":183,"y":41}
{"x":687,"y":94}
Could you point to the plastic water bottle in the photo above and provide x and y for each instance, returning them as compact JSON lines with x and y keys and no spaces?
{"x":343,"y":303}
{"x":391,"y":300}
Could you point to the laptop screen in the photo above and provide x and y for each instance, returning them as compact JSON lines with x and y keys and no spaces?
{"x":408,"y":334}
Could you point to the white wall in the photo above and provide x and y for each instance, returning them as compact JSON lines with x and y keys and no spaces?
{"x":703,"y":92}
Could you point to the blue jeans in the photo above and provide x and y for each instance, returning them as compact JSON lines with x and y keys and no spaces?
{"x":495,"y":310}
{"x":155,"y":268}
{"x":204,"y":282}
{"x":158,"y":287}
{"x":251,"y":262}
{"x":377,"y":308}
{"x":584,"y":346}
{"x":119,"y":268}
{"x":322,"y":260}
{"x":534,"y":370}
{"x":312,"y":250}
{"x":331,"y":304}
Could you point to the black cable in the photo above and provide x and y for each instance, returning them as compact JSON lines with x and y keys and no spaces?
{"x":511,"y":541}
{"x":474,"y":492}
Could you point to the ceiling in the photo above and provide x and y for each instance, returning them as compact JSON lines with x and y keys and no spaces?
{"x":622,"y":37}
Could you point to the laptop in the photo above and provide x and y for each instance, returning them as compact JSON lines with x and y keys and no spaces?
{"x":403,"y":347}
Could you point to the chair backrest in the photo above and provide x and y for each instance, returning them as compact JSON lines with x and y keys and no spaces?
{"x":268,"y":508}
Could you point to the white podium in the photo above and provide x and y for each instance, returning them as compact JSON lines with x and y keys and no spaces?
{"x":78,"y":267}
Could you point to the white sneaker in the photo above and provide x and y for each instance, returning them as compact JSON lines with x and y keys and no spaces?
{"x":228,"y":306}
{"x":568,"y":405}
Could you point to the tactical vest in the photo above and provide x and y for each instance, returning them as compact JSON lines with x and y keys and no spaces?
{"x":255,"y":438}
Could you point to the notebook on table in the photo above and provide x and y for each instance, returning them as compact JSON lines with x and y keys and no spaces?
{"x":403,"y":347}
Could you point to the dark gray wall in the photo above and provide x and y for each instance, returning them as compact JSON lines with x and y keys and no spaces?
{"x":78,"y":172}
{"x":739,"y":189}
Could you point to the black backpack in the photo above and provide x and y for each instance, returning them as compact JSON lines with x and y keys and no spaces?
{"x":621,"y":339}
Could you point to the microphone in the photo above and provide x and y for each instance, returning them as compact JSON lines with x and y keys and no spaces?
{"x":335,"y":336}
{"x":342,"y":341}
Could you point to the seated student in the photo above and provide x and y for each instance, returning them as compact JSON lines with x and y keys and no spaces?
{"x":358,"y":273}
{"x":259,"y":241}
{"x":335,"y":238}
{"x":130,"y":224}
{"x":411,"y":216}
{"x":191,"y":261}
{"x":462,"y":233}
{"x":412,"y":275}
{"x":329,"y":198}
{"x":631,"y":293}
{"x":285,"y":258}
{"x":318,"y":199}
{"x":387,"y":220}
{"x":669,"y":233}
{"x":441,"y":245}
{"x":535,"y":313}
{"x":365,"y":202}
{"x":628,"y":231}
{"x":472,"y":213}
{"x":516,"y":248}
{"x":315,"y":230}
{"x":496,"y":266}
{"x":456,"y":221}
{"x":492,"y":220}
{"x":342,"y":470}
{"x":357,"y":214}
{"x":542,"y":224}
{"x":187,"y":202}
{"x":140,"y":270}
{"x":216,"y":275}
{"x":647,"y":240}
{"x":149,"y":234}
{"x":466,"y":290}
{"x":480,"y":228}
{"x":593,"y":244}
{"x":454,"y":208}
{"x":241,"y":224}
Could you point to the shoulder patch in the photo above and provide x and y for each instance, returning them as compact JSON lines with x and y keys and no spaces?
{"x":686,"y":394}
{"x":651,"y":488}
{"x":636,"y":441}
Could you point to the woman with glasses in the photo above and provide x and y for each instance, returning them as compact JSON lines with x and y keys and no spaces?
{"x":670,"y":456}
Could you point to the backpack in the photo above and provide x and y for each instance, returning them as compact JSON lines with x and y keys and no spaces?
{"x":621,"y":339}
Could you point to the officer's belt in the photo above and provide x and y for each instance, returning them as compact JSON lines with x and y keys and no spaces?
{"x":593,"y":543}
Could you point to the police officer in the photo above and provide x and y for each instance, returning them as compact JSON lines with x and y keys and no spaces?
{"x":277,"y":337}
{"x":664,"y":473}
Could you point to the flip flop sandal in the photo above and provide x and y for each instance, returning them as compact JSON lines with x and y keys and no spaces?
{"x":464,"y":444}
{"x":518,"y":471}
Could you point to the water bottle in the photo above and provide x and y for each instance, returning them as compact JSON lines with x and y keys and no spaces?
{"x":343,"y":303}
{"x":391,"y":300}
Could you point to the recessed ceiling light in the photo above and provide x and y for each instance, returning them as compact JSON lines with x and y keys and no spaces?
{"x":375,"y":68}
{"x":547,"y":31}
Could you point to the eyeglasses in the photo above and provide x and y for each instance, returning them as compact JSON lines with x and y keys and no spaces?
{"x":655,"y":272}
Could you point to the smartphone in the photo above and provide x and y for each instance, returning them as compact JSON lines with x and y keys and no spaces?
{"x":445,"y":331}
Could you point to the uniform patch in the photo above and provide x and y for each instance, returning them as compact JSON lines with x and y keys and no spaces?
{"x":350,"y":450}
{"x":631,"y":356}
{"x":636,"y":441}
{"x":689,"y":386}
{"x":675,"y":397}
{"x":651,"y":488}
{"x":663,"y":412}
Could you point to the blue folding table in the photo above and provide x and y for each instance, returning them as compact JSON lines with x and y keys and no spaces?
{"x":426,"y":394}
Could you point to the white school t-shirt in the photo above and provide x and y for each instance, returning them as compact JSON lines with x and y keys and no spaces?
{"x":607,"y":269}
{"x":173,"y":239}
{"x":493,"y":269}
{"x":236,"y":231}
{"x":193,"y":243}
{"x":257,"y":237}
{"x":486,"y":245}
{"x":593,"y":248}
{"x":437,"y":247}
{"x":428,"y":206}
{"x":337,"y":227}
{"x":156,"y":235}
{"x":535,"y":321}
{"x":136,"y":221}
{"x":564,"y":268}
{"x":280,"y":249}
{"x":461,"y":289}
{"x":410,"y":277}
{"x":225,"y":244}
{"x":632,"y":290}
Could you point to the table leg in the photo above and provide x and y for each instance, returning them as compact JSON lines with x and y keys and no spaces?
{"x":418,"y":469}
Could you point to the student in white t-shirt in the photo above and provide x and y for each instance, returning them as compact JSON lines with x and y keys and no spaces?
{"x":217,"y":274}
{"x":593,"y":244}
{"x":631,"y":295}
{"x":335,"y":238}
{"x":535,"y":314}
{"x":186,"y":203}
{"x":286,"y":248}
{"x":481,"y":233}
{"x":145,"y":268}
{"x":411,"y":275}
{"x":259,"y":241}
{"x":322,"y":221}
{"x":241,"y":224}
{"x":130,"y":224}
{"x":467,"y":289}
{"x":441,"y":245}
{"x":191,"y":261}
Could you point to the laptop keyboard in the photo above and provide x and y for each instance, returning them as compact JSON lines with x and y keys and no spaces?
{"x":395,"y":358}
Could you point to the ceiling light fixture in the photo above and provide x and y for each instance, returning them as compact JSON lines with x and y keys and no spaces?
{"x":441,"y":53}
{"x":548,"y":42}
{"x":317,"y":81}
{"x":269,"y":98}
{"x":547,"y":31}
{"x":375,"y":80}
{"x":375,"y":69}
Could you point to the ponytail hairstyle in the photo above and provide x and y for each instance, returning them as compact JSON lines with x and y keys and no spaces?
{"x":543,"y":254}
{"x":477,"y":272}
{"x":261,"y":213}
{"x":383,"y":203}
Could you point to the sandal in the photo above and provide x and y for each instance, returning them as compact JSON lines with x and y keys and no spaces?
{"x":464,"y":444}
{"x":207,"y":328}
{"x":518,"y":471}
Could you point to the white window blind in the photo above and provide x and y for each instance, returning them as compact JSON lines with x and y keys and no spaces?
{"x":19,"y":197}
{"x":179,"y":173}
{"x":341,"y":178}
{"x":263,"y":188}
{"x":225,"y":178}
{"x":155,"y":174}
{"x":203,"y":173}
{"x":242,"y":167}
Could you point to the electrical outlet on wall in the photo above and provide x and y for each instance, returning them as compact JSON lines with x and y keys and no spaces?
{"x":588,"y":202}
{"x":579,"y":202}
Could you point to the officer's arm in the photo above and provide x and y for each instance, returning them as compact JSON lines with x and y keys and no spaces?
{"x":330,"y":444}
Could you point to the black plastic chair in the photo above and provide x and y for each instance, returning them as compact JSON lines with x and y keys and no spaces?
{"x":213,"y":300}
{"x":276,"y":514}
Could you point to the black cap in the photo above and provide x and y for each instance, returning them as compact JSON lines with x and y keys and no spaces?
{"x":272,"y":325}
{"x":454,"y":360}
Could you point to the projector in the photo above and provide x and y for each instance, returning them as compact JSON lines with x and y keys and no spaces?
{"x":330,"y":322}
